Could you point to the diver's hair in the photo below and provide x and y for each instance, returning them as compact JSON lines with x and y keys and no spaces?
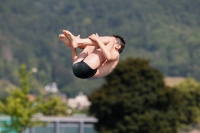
{"x":120,"y":41}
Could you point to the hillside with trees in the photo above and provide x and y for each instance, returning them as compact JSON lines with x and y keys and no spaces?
{"x":165,"y":32}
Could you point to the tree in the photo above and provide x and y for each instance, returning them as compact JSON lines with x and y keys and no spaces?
{"x":191,"y":90}
{"x":60,"y":107}
{"x":134,"y":99}
{"x":20,"y":108}
{"x":188,"y":85}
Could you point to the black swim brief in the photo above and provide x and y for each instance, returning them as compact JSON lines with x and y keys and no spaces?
{"x":82,"y":70}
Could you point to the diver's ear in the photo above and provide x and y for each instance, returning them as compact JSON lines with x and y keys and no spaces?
{"x":118,"y":46}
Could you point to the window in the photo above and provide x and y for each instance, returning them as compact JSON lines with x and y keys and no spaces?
{"x":69,"y":128}
{"x":50,"y":128}
{"x":89,"y":128}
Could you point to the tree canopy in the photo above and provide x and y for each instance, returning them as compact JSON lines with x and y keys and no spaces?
{"x":22,"y":109}
{"x":134,"y":98}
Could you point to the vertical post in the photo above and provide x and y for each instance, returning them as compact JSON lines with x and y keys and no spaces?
{"x":57,"y":127}
{"x":81,"y":126}
{"x":31,"y":130}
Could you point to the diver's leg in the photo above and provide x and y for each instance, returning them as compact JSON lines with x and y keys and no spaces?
{"x":86,"y":51}
{"x":86,"y":41}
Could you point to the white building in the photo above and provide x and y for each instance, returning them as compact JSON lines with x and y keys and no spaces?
{"x":79,"y":102}
{"x":52,"y":87}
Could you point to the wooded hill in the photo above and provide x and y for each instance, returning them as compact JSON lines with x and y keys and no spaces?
{"x":165,"y":32}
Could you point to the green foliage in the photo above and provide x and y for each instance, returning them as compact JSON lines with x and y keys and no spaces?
{"x":135,"y":99}
{"x":59,"y":107}
{"x":166,"y":32}
{"x":21,"y":109}
{"x":191,"y":90}
{"x":189,"y":85}
{"x":6,"y":87}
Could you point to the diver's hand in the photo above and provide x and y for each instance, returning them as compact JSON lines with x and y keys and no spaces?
{"x":94,"y":37}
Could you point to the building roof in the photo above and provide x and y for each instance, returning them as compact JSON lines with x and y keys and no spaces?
{"x":77,"y":118}
{"x":68,"y":119}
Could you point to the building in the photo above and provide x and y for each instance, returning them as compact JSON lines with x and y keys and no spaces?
{"x":75,"y":124}
{"x":79,"y":102}
{"x":51,"y":87}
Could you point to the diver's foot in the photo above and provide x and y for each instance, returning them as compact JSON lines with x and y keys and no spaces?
{"x":71,"y":37}
{"x":65,"y":40}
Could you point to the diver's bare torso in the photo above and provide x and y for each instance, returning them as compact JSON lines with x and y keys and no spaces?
{"x":106,"y":68}
{"x":103,"y":66}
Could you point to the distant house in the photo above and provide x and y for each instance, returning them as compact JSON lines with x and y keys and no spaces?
{"x":31,"y":98}
{"x":51,"y":87}
{"x":79,"y":102}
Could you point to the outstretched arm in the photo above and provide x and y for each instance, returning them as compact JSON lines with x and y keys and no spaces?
{"x":86,"y":41}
